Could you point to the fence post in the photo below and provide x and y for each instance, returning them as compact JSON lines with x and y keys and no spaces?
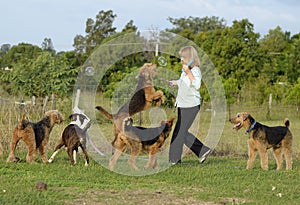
{"x":77,"y":98}
{"x":270,"y":100}
{"x":53,"y":102}
{"x":269,"y":107}
{"x":45,"y":104}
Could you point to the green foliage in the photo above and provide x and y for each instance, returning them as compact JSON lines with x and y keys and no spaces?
{"x":293,"y":59}
{"x":22,"y":53}
{"x":231,"y":89}
{"x":275,"y":45}
{"x":42,"y":76}
{"x":241,"y":57}
{"x":294,"y":94}
{"x":195,"y":25}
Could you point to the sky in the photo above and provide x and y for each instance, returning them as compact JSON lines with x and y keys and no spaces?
{"x":31,"y":21}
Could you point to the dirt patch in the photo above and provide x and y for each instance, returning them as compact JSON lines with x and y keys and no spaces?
{"x":141,"y":196}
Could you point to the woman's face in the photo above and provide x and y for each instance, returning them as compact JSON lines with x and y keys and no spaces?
{"x":183,"y":60}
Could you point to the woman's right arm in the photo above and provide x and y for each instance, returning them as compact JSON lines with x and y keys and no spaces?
{"x":173,"y":82}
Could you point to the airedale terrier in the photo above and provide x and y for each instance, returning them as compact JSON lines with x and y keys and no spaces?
{"x":141,"y":139}
{"x":73,"y":137}
{"x":35,"y":135}
{"x":262,"y":137}
{"x":142,"y":99}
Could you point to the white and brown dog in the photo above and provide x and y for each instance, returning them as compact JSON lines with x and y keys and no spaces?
{"x":73,"y":137}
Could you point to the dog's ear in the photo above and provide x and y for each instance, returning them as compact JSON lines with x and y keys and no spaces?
{"x":72,"y":117}
{"x":245,"y":116}
{"x":82,"y":117}
{"x":141,"y":70}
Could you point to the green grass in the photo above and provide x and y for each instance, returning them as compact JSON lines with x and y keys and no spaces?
{"x":220,"y":180}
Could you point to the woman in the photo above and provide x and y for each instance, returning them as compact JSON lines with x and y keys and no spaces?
{"x":188,"y":105}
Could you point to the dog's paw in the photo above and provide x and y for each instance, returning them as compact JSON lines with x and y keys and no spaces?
{"x":13,"y":159}
{"x":146,"y":167}
{"x":16,"y":159}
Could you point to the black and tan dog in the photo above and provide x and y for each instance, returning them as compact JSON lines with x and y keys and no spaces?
{"x":139,"y":139}
{"x":142,"y":99}
{"x":262,"y":137}
{"x":35,"y":135}
{"x":74,"y":137}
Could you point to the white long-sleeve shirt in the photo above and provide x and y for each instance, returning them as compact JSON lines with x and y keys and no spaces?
{"x":188,"y":94}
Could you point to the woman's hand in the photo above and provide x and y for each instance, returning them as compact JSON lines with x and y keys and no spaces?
{"x":173,"y":82}
{"x":185,"y":68}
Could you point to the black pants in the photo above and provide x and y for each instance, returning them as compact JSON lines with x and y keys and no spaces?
{"x":181,"y":135}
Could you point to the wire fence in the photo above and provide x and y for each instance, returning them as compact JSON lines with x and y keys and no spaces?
{"x":231,"y":142}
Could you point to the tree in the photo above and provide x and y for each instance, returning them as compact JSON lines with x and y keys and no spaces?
{"x":47,"y":45}
{"x":275,"y":41}
{"x":188,"y":27}
{"x":275,"y":46}
{"x":23,"y":52}
{"x":129,"y":27}
{"x":3,"y":51}
{"x":293,"y":57}
{"x":235,"y":52}
{"x":96,"y":31}
{"x":5,"y":48}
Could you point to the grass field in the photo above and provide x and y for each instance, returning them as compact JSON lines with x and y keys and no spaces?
{"x":222,"y":179}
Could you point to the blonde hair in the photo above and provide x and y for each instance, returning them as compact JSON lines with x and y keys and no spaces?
{"x":188,"y":54}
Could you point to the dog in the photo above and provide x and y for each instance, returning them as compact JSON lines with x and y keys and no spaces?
{"x":73,"y":137}
{"x":140,"y":138}
{"x":142,"y":99}
{"x":262,"y":137}
{"x":35,"y":135}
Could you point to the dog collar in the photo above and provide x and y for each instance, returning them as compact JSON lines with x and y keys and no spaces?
{"x":251,"y":127}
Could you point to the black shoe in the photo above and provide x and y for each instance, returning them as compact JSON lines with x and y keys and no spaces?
{"x":205,"y":155}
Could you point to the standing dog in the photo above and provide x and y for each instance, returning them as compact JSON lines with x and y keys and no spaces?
{"x":73,"y":137}
{"x":35,"y":135}
{"x":140,"y":138}
{"x":145,"y":94}
{"x":262,"y":137}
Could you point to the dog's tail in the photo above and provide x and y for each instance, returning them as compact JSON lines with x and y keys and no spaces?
{"x":104,"y":112}
{"x":286,"y":122}
{"x":22,"y":121}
